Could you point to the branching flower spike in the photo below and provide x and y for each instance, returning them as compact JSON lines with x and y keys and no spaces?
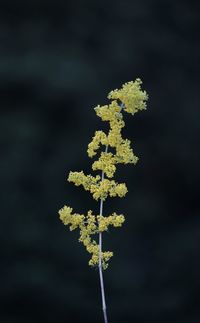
{"x":129,"y":99}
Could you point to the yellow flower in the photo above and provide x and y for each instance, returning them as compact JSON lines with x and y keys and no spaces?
{"x":106,"y":163}
{"x":108,"y":112}
{"x":106,"y":221}
{"x":74,"y":220}
{"x":131,"y":95}
{"x":65,"y":214}
{"x":94,"y":260}
{"x":117,"y":220}
{"x":101,"y":190}
{"x":105,"y":258}
{"x":108,"y":187}
{"x":124,"y":153}
{"x":114,"y":137}
{"x":99,"y":138}
{"x":79,"y":178}
{"x":91,"y":223}
{"x":118,"y":190}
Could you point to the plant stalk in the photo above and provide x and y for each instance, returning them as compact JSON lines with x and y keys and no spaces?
{"x":100,"y":248}
{"x":100,"y":259}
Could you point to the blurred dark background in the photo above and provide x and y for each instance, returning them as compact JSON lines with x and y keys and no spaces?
{"x":58,"y":60}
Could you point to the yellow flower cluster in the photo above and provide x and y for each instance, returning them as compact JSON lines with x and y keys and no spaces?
{"x":131,"y":95}
{"x":79,"y":178}
{"x":74,"y":220}
{"x":124,"y":153}
{"x":112,"y":113}
{"x":108,"y":187}
{"x":109,"y":112}
{"x":99,"y":189}
{"x":129,"y":98}
{"x":106,"y":163}
{"x":114,"y":219}
{"x":88,"y":226}
{"x":99,"y":137}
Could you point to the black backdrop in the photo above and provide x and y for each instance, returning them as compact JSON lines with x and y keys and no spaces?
{"x":58,"y":60}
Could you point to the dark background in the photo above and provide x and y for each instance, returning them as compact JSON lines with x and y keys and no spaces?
{"x":58,"y":60}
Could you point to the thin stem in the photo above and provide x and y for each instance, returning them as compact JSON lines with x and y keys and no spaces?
{"x":100,"y":248}
{"x":100,"y":259}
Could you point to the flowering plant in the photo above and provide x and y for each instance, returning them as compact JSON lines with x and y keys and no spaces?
{"x":117,"y":150}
